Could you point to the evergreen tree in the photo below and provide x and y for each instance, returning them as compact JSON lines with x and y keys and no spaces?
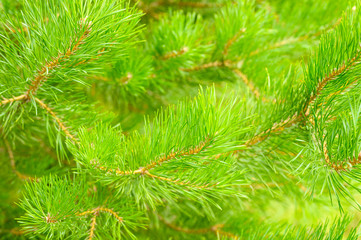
{"x":177,"y":119}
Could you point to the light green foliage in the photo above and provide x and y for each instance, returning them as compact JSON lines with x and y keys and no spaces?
{"x":180,"y":119}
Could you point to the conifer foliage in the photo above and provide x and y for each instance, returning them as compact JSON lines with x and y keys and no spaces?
{"x":180,"y":119}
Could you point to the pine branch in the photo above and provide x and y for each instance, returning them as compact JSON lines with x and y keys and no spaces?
{"x":154,"y":164}
{"x":296,"y":118}
{"x":174,"y":155}
{"x":43,"y":74}
{"x":178,"y":155}
{"x":333,"y":75}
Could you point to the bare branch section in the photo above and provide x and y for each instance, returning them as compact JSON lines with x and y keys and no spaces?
{"x":43,"y":74}
{"x":14,"y":99}
{"x":102,"y":209}
{"x":57,"y":119}
{"x":92,"y":226}
{"x":216,"y":229}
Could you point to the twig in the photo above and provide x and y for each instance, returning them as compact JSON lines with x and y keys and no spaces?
{"x":14,"y":99}
{"x":247,"y":82}
{"x":13,"y":165}
{"x":102,"y":209}
{"x":144,"y":171}
{"x":215,"y":229}
{"x":294,"y":40}
{"x":207,"y":65}
{"x":174,"y":54}
{"x":92,"y":226}
{"x":178,"y":182}
{"x":57,"y":119}
{"x":232,"y":40}
{"x":191,"y":151}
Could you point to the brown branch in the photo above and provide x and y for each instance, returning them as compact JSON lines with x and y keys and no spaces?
{"x":57,"y":119}
{"x":13,"y":231}
{"x":43,"y":74}
{"x":279,"y":44}
{"x":232,"y":40}
{"x":207,"y":65}
{"x":173,"y":155}
{"x":16,"y":231}
{"x":216,"y":229}
{"x":277,"y":127}
{"x":248,"y":83}
{"x":52,"y":219}
{"x":13,"y":164}
{"x":102,"y":209}
{"x":174,"y":54}
{"x":123,"y":80}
